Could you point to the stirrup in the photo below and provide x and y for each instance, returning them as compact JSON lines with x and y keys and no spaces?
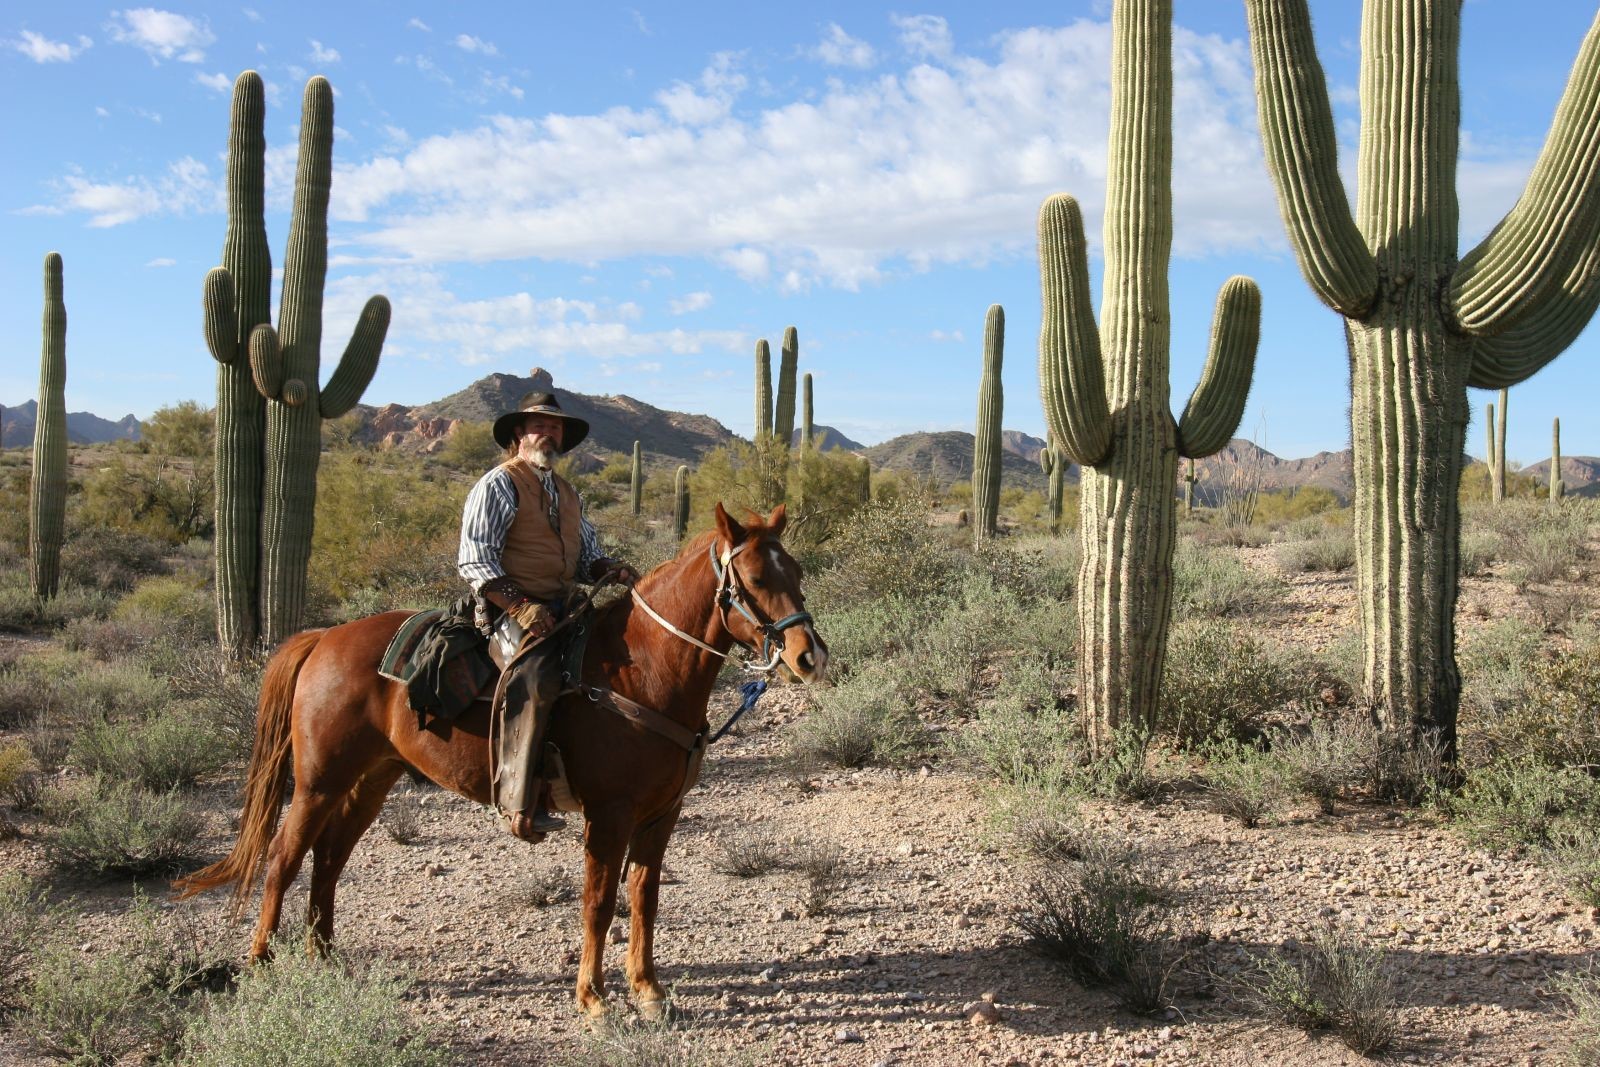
{"x":533,"y":827}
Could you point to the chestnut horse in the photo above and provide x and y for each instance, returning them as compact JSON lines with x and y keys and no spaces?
{"x":350,"y":734}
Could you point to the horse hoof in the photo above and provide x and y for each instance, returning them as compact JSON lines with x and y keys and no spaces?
{"x":656,"y":1011}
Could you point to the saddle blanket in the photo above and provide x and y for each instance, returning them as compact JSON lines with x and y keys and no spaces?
{"x":443,"y":662}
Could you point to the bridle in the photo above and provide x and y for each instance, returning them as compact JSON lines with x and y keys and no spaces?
{"x":731,"y":593}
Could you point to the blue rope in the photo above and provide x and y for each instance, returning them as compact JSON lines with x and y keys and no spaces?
{"x":752,"y":692}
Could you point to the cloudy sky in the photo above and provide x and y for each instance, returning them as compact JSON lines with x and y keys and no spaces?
{"x":630,"y":195}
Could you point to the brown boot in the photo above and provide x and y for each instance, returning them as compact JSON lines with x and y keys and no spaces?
{"x":522,"y":827}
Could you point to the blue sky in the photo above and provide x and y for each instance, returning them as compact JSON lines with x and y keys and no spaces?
{"x":630,"y":195}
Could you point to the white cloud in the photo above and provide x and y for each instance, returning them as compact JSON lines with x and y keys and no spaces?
{"x":250,"y":13}
{"x":41,"y":49}
{"x":690,"y":303}
{"x":501,"y":84}
{"x":102,"y":112}
{"x":924,"y":35}
{"x":186,"y":187}
{"x":418,"y":24}
{"x":162,"y":261}
{"x":219,"y":81}
{"x":321,"y":54}
{"x":468,"y":43}
{"x":838,"y":49}
{"x":162,"y":34}
{"x":946,"y":335}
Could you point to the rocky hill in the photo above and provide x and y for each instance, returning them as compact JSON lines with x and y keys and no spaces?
{"x":1581,"y":473}
{"x":16,"y":427}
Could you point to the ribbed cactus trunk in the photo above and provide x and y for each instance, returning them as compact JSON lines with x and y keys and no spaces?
{"x":284,"y":366}
{"x":1054,"y":466}
{"x":788,"y":364}
{"x":807,"y":431}
{"x":1188,"y":488}
{"x":763,"y":391}
{"x":47,"y":497}
{"x":1498,"y":491}
{"x":1558,"y":487}
{"x":637,"y":486}
{"x":238,"y":298}
{"x":680,"y":503}
{"x":1106,"y":393}
{"x":986,"y":443}
{"x":1421,"y":327}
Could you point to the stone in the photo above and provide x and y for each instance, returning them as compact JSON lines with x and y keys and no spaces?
{"x":846,"y":1036}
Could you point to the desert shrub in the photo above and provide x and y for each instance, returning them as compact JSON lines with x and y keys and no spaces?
{"x":471,"y":449}
{"x":1576,"y":858}
{"x":864,"y":719}
{"x":1097,"y":914}
{"x":1333,"y":550}
{"x":402,"y":817}
{"x":1124,"y":772}
{"x":223,"y":691}
{"x":742,"y":476}
{"x":27,"y":920}
{"x":180,"y":606}
{"x":885,"y":551}
{"x":76,"y":688}
{"x":107,"y":828}
{"x":1040,"y":825}
{"x":1581,"y":1046}
{"x":1478,"y":548}
{"x":823,"y":871}
{"x":1323,"y":761}
{"x":21,"y":610}
{"x":749,"y":853}
{"x":542,"y":887}
{"x":1213,"y":583}
{"x":95,"y":1008}
{"x":1519,"y":802}
{"x":1221,"y":681}
{"x":311,"y":1011}
{"x":1243,"y":782}
{"x":1403,"y":769}
{"x":1541,"y":543}
{"x":824,"y":493}
{"x":1333,"y":982}
{"x":639,"y":1042}
{"x":1030,"y":568}
{"x":172,"y":749}
{"x":1494,"y":664}
{"x":1028,"y":733}
{"x":110,"y":560}
{"x":109,"y":638}
{"x":871,"y":630}
{"x":1299,"y":503}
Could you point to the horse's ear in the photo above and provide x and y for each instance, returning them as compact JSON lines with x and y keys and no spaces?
{"x":776,"y":521}
{"x":730,"y":529}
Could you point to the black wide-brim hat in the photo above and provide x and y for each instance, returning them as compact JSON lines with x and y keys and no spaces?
{"x":541,"y":404}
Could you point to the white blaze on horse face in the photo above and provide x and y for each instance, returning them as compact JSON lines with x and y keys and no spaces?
{"x":775,"y":554}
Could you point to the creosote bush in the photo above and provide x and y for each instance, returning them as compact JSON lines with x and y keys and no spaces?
{"x":864,"y":719}
{"x":1221,"y":681}
{"x":1581,"y":1047}
{"x":1243,"y":782}
{"x":1334,"y":982}
{"x":108,"y":828}
{"x":749,"y":854}
{"x":172,"y":749}
{"x":1213,"y":583}
{"x":1324,"y":761}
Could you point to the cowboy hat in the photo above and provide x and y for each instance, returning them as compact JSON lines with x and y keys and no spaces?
{"x":540,"y":404}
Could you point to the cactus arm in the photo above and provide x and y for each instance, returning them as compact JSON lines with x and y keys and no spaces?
{"x":763,"y":390}
{"x":789,"y":362}
{"x":1217,"y":404}
{"x":1071,"y":374}
{"x":1297,"y":133}
{"x":1540,"y":336}
{"x":221,"y":315}
{"x":360,"y":361}
{"x":1553,"y":225}
{"x":266,"y":361}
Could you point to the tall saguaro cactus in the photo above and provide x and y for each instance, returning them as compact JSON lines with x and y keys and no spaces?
{"x":1054,"y":465}
{"x":986,"y":440}
{"x":637,"y":485}
{"x":807,"y":440}
{"x":284,"y":368}
{"x":47,"y":497}
{"x":763,"y":391}
{"x":1421,"y":325}
{"x":1105,"y":390}
{"x":1558,"y":487}
{"x":680,"y":502}
{"x":789,"y":362}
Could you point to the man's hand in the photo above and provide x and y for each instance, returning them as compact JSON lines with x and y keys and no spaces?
{"x":534,"y":618}
{"x":620,"y":572}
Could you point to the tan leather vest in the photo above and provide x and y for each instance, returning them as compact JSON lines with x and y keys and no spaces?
{"x":541,"y":560}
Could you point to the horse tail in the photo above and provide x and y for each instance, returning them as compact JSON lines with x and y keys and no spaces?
{"x":270,"y":760}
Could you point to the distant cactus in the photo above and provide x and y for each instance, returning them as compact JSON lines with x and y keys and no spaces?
{"x":1106,"y":393}
{"x":864,"y":494}
{"x":763,"y":391}
{"x":1422,"y":321}
{"x":47,"y":500}
{"x":1558,"y":486}
{"x":1054,"y":466}
{"x":1497,"y":448}
{"x":638,"y":478}
{"x":680,"y":510}
{"x":284,"y":366}
{"x":1188,"y":487}
{"x":783,"y":416}
{"x":986,"y":443}
{"x":807,"y":439}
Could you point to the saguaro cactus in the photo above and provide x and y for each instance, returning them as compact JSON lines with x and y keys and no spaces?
{"x":864,"y":492}
{"x":763,"y":391}
{"x":1188,"y":487}
{"x":1497,"y":448}
{"x":284,"y":367}
{"x":1422,"y":326}
{"x":47,"y":497}
{"x":638,"y":477}
{"x":1558,"y":487}
{"x":1054,"y":466}
{"x":680,"y":507}
{"x":807,"y":441}
{"x":789,"y":362}
{"x":1105,"y":390}
{"x":986,"y":438}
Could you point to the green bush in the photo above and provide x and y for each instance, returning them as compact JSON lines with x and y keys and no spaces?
{"x":94,"y":1008}
{"x":109,"y":559}
{"x":1520,"y":701}
{"x":105,"y":828}
{"x":27,"y":919}
{"x":311,"y":1012}
{"x":21,"y":610}
{"x":640,"y":1043}
{"x":1029,"y":734}
{"x":886,"y":551}
{"x":1334,"y":550}
{"x":1220,"y":681}
{"x":1324,"y":761}
{"x":173,"y":749}
{"x":1213,"y":583}
{"x":1581,"y":1046}
{"x":1243,"y":782}
{"x":1518,"y":802}
{"x":864,"y":719}
{"x":75,"y":688}
{"x":1333,"y":982}
{"x":1576,"y":858}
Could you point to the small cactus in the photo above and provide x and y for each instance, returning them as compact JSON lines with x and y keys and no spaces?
{"x":783,"y":415}
{"x":1497,"y":449}
{"x":1054,"y":466}
{"x":638,"y":477}
{"x":47,"y":500}
{"x":986,"y":449}
{"x":807,"y":432}
{"x":1558,"y":486}
{"x":763,"y":391}
{"x":864,"y":495}
{"x":680,"y":510}
{"x":1188,"y":487}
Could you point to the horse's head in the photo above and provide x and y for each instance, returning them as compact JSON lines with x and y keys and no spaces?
{"x":758,"y":587}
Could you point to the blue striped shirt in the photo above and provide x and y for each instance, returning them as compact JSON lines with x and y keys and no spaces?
{"x":487,"y":516}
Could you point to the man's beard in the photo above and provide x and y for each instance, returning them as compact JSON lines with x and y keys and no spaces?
{"x":538,"y":451}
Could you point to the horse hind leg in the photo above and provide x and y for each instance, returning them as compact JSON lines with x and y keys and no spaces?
{"x":332,"y":847}
{"x":308,"y":812}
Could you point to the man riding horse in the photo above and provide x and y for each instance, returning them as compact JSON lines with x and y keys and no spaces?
{"x":525,"y":541}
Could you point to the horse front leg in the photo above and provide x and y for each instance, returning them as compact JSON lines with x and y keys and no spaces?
{"x":644,"y":883}
{"x":605,"y":842}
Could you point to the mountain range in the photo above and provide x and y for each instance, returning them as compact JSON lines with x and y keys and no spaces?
{"x":672,"y":437}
